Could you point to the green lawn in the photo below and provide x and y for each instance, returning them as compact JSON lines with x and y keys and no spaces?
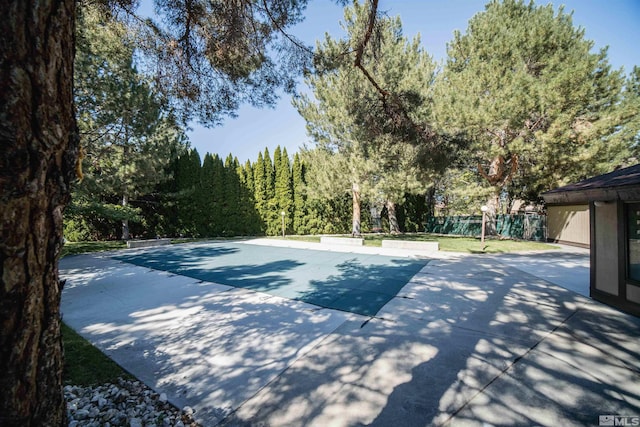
{"x":473,"y":245}
{"x":449,"y":243}
{"x":73,"y":248}
{"x":84,"y":364}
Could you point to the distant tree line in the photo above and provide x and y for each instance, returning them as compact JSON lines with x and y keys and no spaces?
{"x":522,"y":104}
{"x":212,"y":197}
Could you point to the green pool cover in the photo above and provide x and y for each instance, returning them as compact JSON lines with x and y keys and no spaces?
{"x":357,"y":283}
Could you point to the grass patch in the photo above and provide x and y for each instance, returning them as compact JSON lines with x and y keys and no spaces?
{"x":463,"y":244}
{"x":474,"y":245}
{"x":180,"y":240}
{"x":299,"y":238}
{"x":84,"y":364}
{"x":448,"y":243}
{"x":376,"y":239}
{"x":74,"y":248}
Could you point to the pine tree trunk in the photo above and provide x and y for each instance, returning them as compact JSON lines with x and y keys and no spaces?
{"x":355,"y":229}
{"x":38,"y":149}
{"x":431,"y":202}
{"x":492,"y":214}
{"x":394,"y":227}
{"x":125,"y":222}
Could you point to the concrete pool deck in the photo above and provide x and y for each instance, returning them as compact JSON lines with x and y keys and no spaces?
{"x":470,"y":340}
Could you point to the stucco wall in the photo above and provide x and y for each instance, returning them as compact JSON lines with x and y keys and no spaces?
{"x":606,"y":248}
{"x":569,"y":224}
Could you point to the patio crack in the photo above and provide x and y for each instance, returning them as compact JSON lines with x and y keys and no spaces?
{"x":504,"y":370}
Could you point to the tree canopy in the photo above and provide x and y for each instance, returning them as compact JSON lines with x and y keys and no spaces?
{"x":128,"y":134}
{"x":210,"y":57}
{"x":523,"y":85}
{"x":360,"y":147}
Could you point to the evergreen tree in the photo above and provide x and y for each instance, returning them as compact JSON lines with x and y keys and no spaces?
{"x":367,"y":143}
{"x":231,"y":208}
{"x":247,"y":173}
{"x":260,"y":190}
{"x":251,"y":217}
{"x":412,"y":214}
{"x":219,"y":220}
{"x":332,"y":175}
{"x":166,"y":221}
{"x":283,"y":186}
{"x":128,"y":133}
{"x":270,"y":215}
{"x":628,"y":121}
{"x":525,"y":89}
{"x":269,"y":176}
{"x":206,"y":196}
{"x":187,"y":181}
{"x":246,"y":202}
{"x":300,"y":219}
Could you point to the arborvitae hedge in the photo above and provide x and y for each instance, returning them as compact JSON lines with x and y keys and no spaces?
{"x":216,"y":198}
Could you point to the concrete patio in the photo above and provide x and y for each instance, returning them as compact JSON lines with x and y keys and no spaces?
{"x":470,"y":340}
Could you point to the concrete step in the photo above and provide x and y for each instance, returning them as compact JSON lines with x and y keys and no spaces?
{"x":411,"y":244}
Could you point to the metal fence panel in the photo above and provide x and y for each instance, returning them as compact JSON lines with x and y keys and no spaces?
{"x":521,"y":226}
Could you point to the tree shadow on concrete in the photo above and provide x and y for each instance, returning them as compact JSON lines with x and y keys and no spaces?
{"x":467,"y":341}
{"x":206,"y":345}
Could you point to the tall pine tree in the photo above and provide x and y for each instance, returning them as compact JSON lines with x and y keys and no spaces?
{"x":187,"y":178}
{"x":247,"y":203}
{"x":270,"y":215}
{"x":283,"y":186}
{"x":260,"y":191}
{"x":206,"y":195}
{"x":128,"y":132}
{"x":367,"y":139}
{"x":300,"y":218}
{"x":525,"y":88}
{"x":231,"y":206}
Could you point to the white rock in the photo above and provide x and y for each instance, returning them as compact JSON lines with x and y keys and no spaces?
{"x":81,"y":414}
{"x":102,"y":402}
{"x":128,"y":403}
{"x":109,"y":413}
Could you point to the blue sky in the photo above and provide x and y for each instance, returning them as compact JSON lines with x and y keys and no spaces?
{"x":613,"y":23}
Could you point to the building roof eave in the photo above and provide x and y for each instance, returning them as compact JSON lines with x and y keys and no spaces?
{"x":627,"y":193}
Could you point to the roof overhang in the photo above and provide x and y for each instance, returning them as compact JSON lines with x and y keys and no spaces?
{"x":627,"y":194}
{"x":622,"y":184}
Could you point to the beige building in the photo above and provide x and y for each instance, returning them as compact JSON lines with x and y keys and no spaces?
{"x":569,"y":224}
{"x":613,"y":214}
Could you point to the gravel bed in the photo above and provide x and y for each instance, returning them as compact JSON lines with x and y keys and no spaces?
{"x":128,"y":403}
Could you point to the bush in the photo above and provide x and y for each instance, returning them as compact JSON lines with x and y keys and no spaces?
{"x":76,"y":230}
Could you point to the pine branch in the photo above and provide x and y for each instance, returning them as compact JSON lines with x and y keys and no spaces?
{"x":391,"y":103}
